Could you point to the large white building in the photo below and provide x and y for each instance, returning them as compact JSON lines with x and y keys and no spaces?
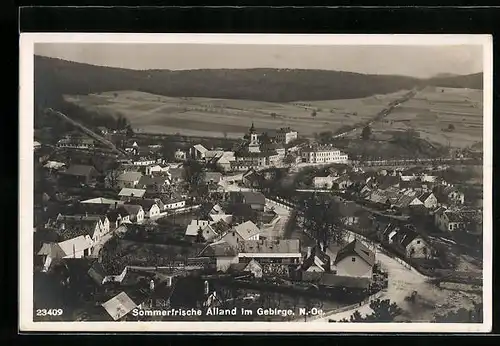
{"x":323,"y":154}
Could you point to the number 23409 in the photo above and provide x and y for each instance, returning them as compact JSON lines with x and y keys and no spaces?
{"x":49,"y":312}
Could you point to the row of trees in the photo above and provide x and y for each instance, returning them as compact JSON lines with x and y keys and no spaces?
{"x":322,"y":219}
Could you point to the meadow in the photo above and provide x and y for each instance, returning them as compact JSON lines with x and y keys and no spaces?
{"x":430,"y":112}
{"x":434,"y":110}
{"x":229,"y":117}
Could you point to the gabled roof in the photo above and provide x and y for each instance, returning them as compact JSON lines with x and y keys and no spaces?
{"x":80,"y":170}
{"x":240,"y":210}
{"x":146,"y":204}
{"x":194,"y":227}
{"x":120,"y":211}
{"x":129,"y":176}
{"x":220,"y":227}
{"x":101,"y":200}
{"x":147,"y":180}
{"x":405,"y":236}
{"x":128,"y":192}
{"x":247,"y":230}
{"x":52,"y":249}
{"x":356,"y":247}
{"x":76,"y":228}
{"x":250,"y":197}
{"x":132,"y":209}
{"x":200,"y":148}
{"x":74,"y":245}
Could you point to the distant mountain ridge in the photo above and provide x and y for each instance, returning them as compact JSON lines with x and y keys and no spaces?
{"x":54,"y":77}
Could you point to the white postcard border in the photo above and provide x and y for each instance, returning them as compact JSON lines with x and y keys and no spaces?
{"x":26,"y":107}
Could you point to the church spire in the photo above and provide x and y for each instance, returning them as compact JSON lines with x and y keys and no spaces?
{"x":252,"y":129}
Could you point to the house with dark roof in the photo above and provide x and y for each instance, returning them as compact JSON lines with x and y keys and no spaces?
{"x":453,"y":220}
{"x":316,"y":260}
{"x":253,"y":267}
{"x":152,"y":183}
{"x":118,"y":216}
{"x":72,"y":227}
{"x":255,"y":199}
{"x":173,"y":201}
{"x":149,"y":206}
{"x":428,"y":199}
{"x":252,"y":179}
{"x":82,"y":174}
{"x":135,"y":211}
{"x":215,"y":230}
{"x":355,"y":260}
{"x":241,"y":213}
{"x":449,"y":195}
{"x":412,"y":244}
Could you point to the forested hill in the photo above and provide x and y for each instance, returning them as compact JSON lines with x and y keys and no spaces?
{"x":54,"y":77}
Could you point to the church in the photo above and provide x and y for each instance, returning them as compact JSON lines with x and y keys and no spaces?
{"x":254,"y":154}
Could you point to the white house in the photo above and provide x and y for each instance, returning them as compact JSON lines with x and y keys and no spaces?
{"x":248,"y":231}
{"x":149,"y":206}
{"x":323,"y":154}
{"x":195,"y":226}
{"x":354,"y":260}
{"x":136,"y":213}
{"x":174,"y":202}
{"x":156,"y":169}
{"x":77,"y":247}
{"x":197,"y":152}
{"x":415,"y":246}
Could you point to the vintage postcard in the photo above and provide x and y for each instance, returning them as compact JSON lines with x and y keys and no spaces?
{"x":265,"y":183}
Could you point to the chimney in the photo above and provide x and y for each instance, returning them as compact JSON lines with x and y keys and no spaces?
{"x":116,"y":205}
{"x":169,"y":281}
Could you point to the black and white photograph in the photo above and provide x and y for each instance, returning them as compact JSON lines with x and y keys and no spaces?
{"x":255,"y":182}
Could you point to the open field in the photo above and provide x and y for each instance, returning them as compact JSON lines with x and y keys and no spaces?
{"x":230,"y":117}
{"x":432,"y":110}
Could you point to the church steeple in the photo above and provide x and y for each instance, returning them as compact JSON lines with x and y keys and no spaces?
{"x":252,"y":129}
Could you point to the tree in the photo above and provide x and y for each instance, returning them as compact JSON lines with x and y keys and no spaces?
{"x":462,"y":315}
{"x":366,"y":133}
{"x":130,"y":131}
{"x":451,"y":127}
{"x":383,"y":311}
{"x":313,"y":113}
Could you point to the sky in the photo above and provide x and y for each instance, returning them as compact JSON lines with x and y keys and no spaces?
{"x":415,"y":61}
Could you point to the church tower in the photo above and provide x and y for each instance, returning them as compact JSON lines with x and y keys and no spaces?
{"x":254,"y":146}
